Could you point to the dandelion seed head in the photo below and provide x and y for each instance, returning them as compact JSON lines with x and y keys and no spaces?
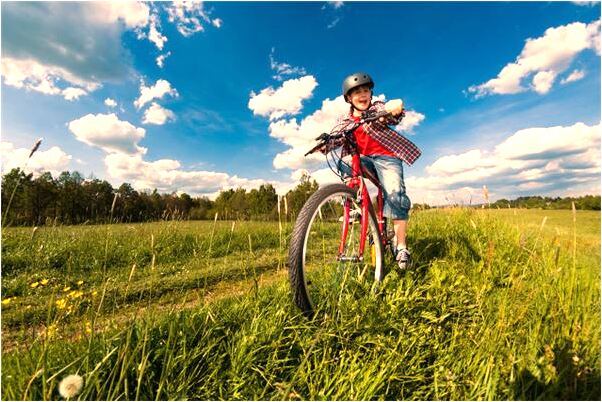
{"x":70,"y":386}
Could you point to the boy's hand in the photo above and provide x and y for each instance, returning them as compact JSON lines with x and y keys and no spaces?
{"x":395,"y":107}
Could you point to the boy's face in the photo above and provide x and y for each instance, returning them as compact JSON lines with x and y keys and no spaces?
{"x":360,"y":97}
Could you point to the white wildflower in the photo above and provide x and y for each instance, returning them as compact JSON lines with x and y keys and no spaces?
{"x":71,"y":386}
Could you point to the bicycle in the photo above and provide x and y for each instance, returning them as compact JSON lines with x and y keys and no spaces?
{"x":326,"y":232}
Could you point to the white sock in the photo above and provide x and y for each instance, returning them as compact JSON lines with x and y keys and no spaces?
{"x":401,"y":246}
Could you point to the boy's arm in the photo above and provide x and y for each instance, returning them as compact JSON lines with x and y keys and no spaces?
{"x":341,"y":123}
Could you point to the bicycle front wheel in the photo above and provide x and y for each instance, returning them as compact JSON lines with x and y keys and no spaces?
{"x":316,"y":266}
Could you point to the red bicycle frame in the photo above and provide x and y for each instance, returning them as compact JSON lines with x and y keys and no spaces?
{"x":357,"y":182}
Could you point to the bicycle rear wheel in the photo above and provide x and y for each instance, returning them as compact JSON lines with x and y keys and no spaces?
{"x":315,"y":265}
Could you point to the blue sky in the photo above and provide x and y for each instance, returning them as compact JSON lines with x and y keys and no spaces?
{"x":201,"y":97}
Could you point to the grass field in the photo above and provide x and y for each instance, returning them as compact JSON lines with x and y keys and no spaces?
{"x":500,"y":304}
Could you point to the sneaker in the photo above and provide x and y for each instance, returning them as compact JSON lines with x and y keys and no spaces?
{"x":403,"y":258}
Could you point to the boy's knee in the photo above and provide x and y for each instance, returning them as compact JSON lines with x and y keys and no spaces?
{"x":406,"y":203}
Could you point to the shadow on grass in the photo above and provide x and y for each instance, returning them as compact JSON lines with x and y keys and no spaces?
{"x":570,"y":379}
{"x":426,"y":250}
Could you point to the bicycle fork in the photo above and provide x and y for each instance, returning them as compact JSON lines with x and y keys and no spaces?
{"x":364,"y":222}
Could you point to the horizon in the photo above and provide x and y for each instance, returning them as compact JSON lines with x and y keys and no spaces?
{"x":203,"y":97}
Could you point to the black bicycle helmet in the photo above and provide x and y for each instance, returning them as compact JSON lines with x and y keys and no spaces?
{"x":355,"y":80}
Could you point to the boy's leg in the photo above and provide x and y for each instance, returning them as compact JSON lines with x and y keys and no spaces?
{"x":400,"y":231}
{"x":397,"y":203}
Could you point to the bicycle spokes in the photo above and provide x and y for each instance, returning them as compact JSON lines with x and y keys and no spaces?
{"x":332,"y":255}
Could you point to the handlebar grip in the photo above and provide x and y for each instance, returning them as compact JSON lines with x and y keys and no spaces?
{"x":368,"y":118}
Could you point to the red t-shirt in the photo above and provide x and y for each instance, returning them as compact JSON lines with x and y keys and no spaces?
{"x":368,"y":145}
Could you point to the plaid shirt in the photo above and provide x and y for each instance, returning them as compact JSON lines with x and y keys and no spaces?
{"x":403,"y":148}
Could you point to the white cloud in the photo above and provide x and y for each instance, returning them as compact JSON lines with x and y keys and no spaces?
{"x":34,"y":76}
{"x":110,"y":102}
{"x":166,"y":175}
{"x":286,"y":100}
{"x":53,"y":160}
{"x":134,"y":14}
{"x":156,"y":114}
{"x":40,"y":53}
{"x":108,"y":133}
{"x":154,"y":35}
{"x":333,"y":23}
{"x":157,"y":91}
{"x":549,"y":142}
{"x":332,"y":11}
{"x":542,"y":160}
{"x":72,"y":93}
{"x":411,"y":120}
{"x":544,"y":58}
{"x":586,"y":3}
{"x":161,"y":59}
{"x":576,"y":75}
{"x":283,"y":69}
{"x":300,"y":137}
{"x":543,"y":80}
{"x":189,"y":17}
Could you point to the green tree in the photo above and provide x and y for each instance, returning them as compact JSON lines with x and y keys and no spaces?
{"x":16,"y":186}
{"x":297,"y":197}
{"x":43,"y":198}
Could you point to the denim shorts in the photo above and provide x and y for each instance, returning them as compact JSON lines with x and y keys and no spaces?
{"x":389,"y":171}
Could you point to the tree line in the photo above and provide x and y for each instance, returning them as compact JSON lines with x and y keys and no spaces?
{"x":588,"y":202}
{"x":71,"y":199}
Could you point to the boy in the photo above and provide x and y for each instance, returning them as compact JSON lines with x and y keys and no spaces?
{"x":382,"y":151}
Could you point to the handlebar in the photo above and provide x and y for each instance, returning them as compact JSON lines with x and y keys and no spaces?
{"x":366,"y":117}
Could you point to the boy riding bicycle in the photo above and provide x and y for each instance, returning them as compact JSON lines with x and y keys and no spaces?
{"x":382,"y":151}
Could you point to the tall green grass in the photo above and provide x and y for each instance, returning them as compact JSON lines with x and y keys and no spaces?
{"x":497,"y":306}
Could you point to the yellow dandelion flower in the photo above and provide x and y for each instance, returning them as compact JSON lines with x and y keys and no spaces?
{"x":79,"y":283}
{"x":28,"y":307}
{"x":34,"y":285}
{"x":94,"y":293}
{"x":66,"y":288}
{"x":76,"y":294}
{"x":88,"y":327}
{"x":61,"y":304}
{"x":51,"y":330}
{"x":6,"y":301}
{"x":44,"y":282}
